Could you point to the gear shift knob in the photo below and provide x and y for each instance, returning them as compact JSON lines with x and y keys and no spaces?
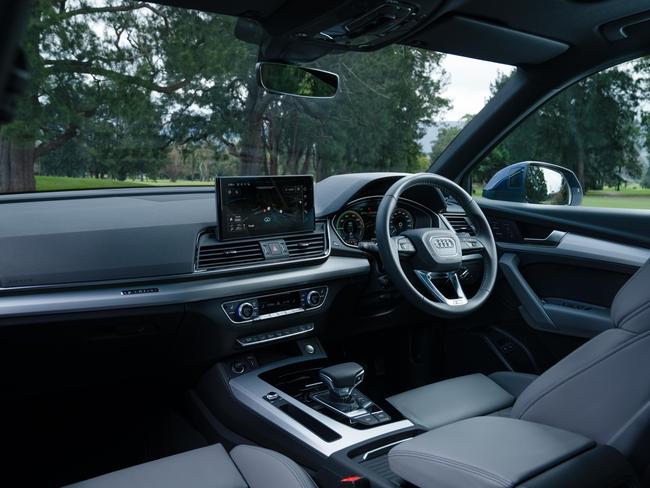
{"x":342,"y":379}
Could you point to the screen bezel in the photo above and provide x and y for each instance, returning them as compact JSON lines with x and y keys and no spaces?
{"x":220,"y":184}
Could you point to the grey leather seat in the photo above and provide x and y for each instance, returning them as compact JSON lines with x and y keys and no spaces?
{"x":601,"y":390}
{"x":209,"y":467}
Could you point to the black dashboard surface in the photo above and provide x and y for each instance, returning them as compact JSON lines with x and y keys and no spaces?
{"x":63,"y":238}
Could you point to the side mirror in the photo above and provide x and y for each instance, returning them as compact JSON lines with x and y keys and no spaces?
{"x":535,"y":182}
{"x":289,"y":79}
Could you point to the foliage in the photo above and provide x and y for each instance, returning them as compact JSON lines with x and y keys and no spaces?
{"x":125,"y":89}
{"x":592,"y":128}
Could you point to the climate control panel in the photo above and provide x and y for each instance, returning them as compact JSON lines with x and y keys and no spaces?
{"x":276,"y":305}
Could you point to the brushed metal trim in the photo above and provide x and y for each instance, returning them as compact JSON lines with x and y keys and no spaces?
{"x":250,"y":389}
{"x":192,"y":290}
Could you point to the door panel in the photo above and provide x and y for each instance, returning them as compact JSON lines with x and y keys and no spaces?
{"x":565,"y":281}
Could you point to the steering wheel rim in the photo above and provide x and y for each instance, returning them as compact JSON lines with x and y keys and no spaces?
{"x":426,"y":244}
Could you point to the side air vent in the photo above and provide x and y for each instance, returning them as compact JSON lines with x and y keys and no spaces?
{"x":306,"y":245}
{"x":459,"y":223}
{"x":213,"y":256}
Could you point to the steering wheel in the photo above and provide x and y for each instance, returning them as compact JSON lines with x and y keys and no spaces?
{"x":435,"y":255}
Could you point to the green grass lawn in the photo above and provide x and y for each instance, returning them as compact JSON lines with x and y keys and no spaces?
{"x":52,"y":183}
{"x":608,"y":198}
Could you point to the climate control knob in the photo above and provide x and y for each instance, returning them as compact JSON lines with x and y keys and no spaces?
{"x":245,"y":311}
{"x":314,"y":298}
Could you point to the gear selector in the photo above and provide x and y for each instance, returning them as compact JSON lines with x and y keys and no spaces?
{"x":342,"y":379}
{"x":344,"y":399}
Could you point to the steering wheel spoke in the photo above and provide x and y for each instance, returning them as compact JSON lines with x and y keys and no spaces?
{"x":470,"y":244}
{"x":429,"y":278}
{"x":403,"y":245}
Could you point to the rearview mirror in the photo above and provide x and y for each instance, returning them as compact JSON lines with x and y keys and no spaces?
{"x":535,"y":182}
{"x":289,"y":79}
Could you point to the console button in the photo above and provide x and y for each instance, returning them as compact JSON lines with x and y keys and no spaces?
{"x":245,"y":311}
{"x":382,"y":416}
{"x":314,"y":298}
{"x":367,"y":419}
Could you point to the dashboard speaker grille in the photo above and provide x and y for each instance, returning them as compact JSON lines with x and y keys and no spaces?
{"x":307,"y":245}
{"x":212,"y":256}
{"x":459,"y":223}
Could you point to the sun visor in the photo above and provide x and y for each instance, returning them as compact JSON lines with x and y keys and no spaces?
{"x":474,"y":38}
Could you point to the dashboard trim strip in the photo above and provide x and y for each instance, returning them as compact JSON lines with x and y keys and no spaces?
{"x":110,"y":298}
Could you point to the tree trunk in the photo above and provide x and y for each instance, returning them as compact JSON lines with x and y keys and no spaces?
{"x":251,"y":156}
{"x":16,"y":166}
{"x":580,"y":163}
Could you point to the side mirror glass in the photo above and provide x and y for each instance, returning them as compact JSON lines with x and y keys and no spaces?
{"x":289,"y":79}
{"x":535,"y":182}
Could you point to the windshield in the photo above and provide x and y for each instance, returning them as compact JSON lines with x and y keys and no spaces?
{"x":129,"y":94}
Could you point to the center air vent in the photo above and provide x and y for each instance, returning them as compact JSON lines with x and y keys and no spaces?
{"x":459,"y":223}
{"x":305,"y":245}
{"x":212,"y":256}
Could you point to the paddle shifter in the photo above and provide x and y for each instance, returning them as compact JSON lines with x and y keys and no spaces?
{"x":341,"y":380}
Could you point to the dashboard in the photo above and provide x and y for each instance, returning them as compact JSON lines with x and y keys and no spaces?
{"x":357,"y":221}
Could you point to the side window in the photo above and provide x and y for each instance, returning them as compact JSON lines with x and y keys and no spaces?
{"x":587,"y":146}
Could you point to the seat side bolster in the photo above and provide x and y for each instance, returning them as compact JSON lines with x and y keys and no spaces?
{"x":207,"y":467}
{"x":263,"y":468}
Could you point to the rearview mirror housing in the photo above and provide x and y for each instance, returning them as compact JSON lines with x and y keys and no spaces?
{"x":535,"y":182}
{"x":297,"y":81}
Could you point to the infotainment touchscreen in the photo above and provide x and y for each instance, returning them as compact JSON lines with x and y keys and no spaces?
{"x":260,"y":206}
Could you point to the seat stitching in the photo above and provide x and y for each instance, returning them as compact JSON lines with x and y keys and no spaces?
{"x":635,"y":338}
{"x":455,"y":464}
{"x":630,"y":315}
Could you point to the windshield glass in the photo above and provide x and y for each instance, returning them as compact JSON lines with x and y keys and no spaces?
{"x":129,"y":94}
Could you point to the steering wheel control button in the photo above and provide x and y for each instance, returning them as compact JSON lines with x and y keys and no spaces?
{"x":404,"y":245}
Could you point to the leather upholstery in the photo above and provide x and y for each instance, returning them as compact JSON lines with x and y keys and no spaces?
{"x":263,"y":468}
{"x":209,"y":467}
{"x":513,"y":383}
{"x":601,"y":390}
{"x":447,"y":401}
{"x":484,"y":452}
{"x":631,"y":307}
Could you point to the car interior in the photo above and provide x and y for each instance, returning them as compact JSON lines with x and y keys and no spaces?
{"x":372,"y":329}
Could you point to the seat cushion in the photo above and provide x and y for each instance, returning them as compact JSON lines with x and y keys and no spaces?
{"x":448,"y":401}
{"x":208,"y":467}
{"x":263,"y":468}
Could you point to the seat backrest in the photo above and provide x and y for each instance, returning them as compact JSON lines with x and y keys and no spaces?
{"x":602,"y":389}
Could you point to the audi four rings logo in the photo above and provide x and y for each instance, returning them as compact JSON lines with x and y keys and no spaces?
{"x":444,"y":243}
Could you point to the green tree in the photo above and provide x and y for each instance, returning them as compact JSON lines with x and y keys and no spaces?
{"x":127,"y":89}
{"x":591,"y":128}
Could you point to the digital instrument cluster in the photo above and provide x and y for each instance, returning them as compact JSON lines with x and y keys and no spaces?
{"x":359,"y":219}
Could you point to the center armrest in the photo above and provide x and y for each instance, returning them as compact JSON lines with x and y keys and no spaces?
{"x":484,"y":452}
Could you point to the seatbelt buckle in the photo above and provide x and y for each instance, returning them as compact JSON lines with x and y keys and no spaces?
{"x":354,"y":482}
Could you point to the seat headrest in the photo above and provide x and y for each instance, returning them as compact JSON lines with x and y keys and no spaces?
{"x":631,"y":306}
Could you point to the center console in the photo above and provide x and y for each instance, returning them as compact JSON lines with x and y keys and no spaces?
{"x":318,"y":403}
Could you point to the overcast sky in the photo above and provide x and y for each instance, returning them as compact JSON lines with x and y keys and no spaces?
{"x":469,"y":84}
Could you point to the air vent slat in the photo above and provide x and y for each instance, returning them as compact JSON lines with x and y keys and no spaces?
{"x":212,"y":256}
{"x":305,"y":245}
{"x":459,"y":223}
